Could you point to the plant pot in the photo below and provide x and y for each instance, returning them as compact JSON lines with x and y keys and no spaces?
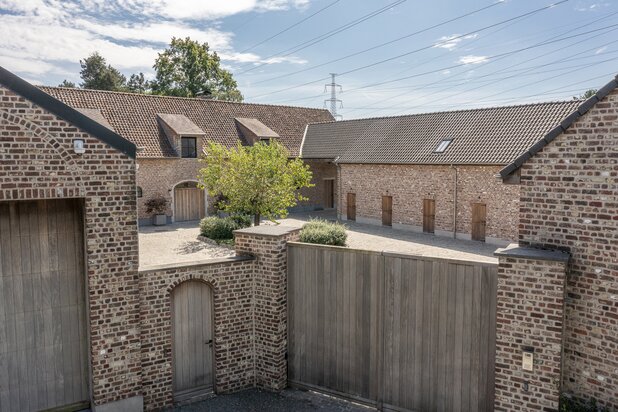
{"x":159,"y":220}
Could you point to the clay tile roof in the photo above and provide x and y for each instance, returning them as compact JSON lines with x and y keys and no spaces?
{"x":256,"y":127}
{"x":494,"y":135}
{"x":96,"y":115}
{"x":134,"y":116}
{"x":180,"y":124}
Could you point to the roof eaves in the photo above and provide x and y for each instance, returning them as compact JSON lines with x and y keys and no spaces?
{"x":69,"y":114}
{"x":562,"y":127}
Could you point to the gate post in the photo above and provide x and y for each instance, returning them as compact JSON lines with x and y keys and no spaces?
{"x":529,"y":328}
{"x":269,"y":246}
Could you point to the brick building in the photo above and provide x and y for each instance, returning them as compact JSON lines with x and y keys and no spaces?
{"x":432,"y":172}
{"x":568,"y":204}
{"x":171,"y":132}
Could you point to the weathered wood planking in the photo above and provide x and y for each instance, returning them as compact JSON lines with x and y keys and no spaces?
{"x":189,"y":204}
{"x":404,"y":332}
{"x":43,"y":329}
{"x":192,"y":340}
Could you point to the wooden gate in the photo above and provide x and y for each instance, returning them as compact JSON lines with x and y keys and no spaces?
{"x":351,"y":204}
{"x":479,"y":219}
{"x":429,"y":215}
{"x":189,"y":202}
{"x":393,"y":331}
{"x":192,"y":341}
{"x":43,"y":327}
{"x":329,"y":193}
{"x":387,"y":210}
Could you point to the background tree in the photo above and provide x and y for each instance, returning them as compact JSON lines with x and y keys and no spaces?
{"x":97,"y":74}
{"x":66,"y":83}
{"x":138,"y":84}
{"x":586,"y":95}
{"x":187,"y":68}
{"x":259,"y":180}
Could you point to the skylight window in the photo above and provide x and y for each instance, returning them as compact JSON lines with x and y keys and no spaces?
{"x":443,"y":145}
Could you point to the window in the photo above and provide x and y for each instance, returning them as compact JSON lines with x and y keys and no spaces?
{"x":139,"y":192}
{"x":443,"y":145}
{"x":188,"y":146}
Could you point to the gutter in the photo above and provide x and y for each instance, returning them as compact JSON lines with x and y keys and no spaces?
{"x":338,"y":166}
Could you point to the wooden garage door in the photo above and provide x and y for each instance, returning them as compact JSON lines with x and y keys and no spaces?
{"x":43,"y":336}
{"x":387,"y":210}
{"x":192,"y":340}
{"x":188,"y":202}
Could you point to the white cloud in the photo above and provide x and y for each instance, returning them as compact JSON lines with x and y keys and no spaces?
{"x":450,"y":42}
{"x":471,"y":59}
{"x":601,"y":50}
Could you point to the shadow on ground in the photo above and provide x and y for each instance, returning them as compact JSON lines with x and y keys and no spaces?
{"x":287,"y":400}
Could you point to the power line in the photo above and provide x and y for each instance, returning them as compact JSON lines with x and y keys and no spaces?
{"x":383,"y":44}
{"x":420,"y":49}
{"x":290,"y":27}
{"x":324,"y":36}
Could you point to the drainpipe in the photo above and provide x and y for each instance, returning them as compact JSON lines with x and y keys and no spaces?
{"x":338,"y":177}
{"x":454,"y":202}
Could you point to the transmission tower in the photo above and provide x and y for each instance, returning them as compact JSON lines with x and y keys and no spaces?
{"x":333,"y":97}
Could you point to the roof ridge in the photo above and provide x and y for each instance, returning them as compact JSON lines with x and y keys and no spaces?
{"x":554,"y":102}
{"x":206,"y":101}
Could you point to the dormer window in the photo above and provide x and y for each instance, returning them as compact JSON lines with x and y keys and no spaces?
{"x":443,"y":145}
{"x":188,"y":147}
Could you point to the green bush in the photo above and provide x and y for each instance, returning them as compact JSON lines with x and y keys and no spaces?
{"x":242,"y":220}
{"x":324,"y":233}
{"x":221,"y":228}
{"x":570,"y":404}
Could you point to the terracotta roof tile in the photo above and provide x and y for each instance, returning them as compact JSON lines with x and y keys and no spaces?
{"x":134,"y":116}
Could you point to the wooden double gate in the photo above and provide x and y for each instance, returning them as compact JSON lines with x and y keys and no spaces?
{"x":394,"y":331}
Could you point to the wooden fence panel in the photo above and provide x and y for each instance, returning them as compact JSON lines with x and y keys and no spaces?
{"x":396,"y":331}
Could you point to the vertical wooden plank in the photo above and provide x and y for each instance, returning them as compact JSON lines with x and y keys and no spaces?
{"x":419,"y":333}
{"x":475,"y":339}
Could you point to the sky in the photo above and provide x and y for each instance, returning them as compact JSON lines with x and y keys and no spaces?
{"x":391,"y":57}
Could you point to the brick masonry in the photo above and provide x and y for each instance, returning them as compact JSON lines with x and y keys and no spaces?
{"x":36,"y":148}
{"x":322,"y":171}
{"x":529,"y":313}
{"x":410,"y":184}
{"x":569,"y":201}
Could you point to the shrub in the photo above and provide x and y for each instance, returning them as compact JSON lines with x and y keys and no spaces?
{"x":570,"y":404}
{"x":156,"y":205}
{"x":324,"y":233}
{"x":220,"y":228}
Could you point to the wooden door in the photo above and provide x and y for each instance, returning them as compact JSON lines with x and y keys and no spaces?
{"x":43,"y":327}
{"x":387,"y":210}
{"x":192,"y":340}
{"x":351,"y":212}
{"x":329,"y":193}
{"x":188,"y":203}
{"x":479,"y":220}
{"x":429,"y":215}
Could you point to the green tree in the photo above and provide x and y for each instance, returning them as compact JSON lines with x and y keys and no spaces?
{"x":586,"y":95}
{"x":259,"y":180}
{"x":66,"y":83}
{"x":138,"y":84}
{"x":97,"y":74}
{"x":187,"y":69}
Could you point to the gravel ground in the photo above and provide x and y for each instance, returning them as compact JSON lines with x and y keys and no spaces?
{"x":176,"y":243}
{"x":285,"y":401}
{"x":380,"y":238}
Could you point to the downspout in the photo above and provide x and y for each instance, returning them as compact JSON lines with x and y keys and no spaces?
{"x":454,"y":202}
{"x":338,"y":177}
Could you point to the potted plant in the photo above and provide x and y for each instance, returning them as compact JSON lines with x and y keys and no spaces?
{"x":157,"y":206}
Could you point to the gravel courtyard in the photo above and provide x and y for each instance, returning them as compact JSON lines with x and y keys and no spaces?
{"x":178,"y":243}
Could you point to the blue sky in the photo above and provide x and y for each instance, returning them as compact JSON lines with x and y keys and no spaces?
{"x":502,"y":52}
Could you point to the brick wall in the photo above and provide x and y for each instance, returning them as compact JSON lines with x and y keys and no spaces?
{"x":410,"y":184}
{"x":529,"y":314}
{"x":232,"y":284}
{"x":569,"y":200}
{"x":38,"y":163}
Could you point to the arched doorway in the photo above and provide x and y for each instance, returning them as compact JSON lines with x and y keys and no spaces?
{"x":189,"y":202}
{"x":192,"y":340}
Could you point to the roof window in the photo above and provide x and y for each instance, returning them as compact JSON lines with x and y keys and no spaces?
{"x":443,"y":145}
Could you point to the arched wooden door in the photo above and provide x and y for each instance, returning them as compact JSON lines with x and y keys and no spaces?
{"x":189,"y":202}
{"x":192,"y":341}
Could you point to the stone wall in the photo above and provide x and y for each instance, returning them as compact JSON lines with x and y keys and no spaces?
{"x":410,"y":184}
{"x":569,"y":201}
{"x":38,"y":162}
{"x":529,"y":316}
